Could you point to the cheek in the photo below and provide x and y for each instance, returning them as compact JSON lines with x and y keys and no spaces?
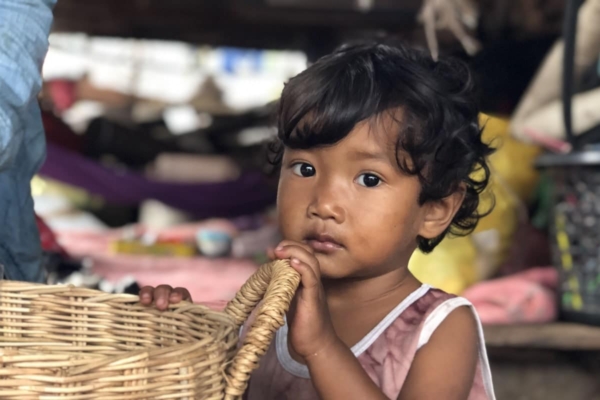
{"x":380,"y":230}
{"x":387,"y":229}
{"x":289,"y":208}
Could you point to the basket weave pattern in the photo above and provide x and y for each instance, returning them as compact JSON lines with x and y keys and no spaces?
{"x":62,"y":342}
{"x":574,"y":228}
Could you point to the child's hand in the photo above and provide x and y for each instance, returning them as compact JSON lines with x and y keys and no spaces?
{"x":163,"y":295}
{"x":311,"y":329}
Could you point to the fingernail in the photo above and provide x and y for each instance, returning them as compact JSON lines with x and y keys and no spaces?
{"x":279,"y":248}
{"x":295,"y":261}
{"x":160,"y":303}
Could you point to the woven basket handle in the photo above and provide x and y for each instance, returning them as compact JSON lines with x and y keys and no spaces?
{"x":275,"y":284}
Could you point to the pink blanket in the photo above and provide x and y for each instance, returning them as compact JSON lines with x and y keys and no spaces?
{"x":83,"y":244}
{"x":208,"y":280}
{"x":526,"y":297}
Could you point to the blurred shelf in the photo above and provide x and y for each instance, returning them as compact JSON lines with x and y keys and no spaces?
{"x":555,"y":336}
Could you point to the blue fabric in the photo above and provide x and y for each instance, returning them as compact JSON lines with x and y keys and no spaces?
{"x":24,"y":29}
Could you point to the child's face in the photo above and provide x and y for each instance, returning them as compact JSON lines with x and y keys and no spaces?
{"x":352,"y":204}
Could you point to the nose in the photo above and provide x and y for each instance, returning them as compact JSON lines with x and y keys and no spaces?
{"x":327,"y":204}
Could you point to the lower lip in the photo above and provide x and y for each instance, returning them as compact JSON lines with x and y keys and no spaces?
{"x":324,"y":247}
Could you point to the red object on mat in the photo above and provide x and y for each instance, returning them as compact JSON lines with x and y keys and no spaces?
{"x":48,"y":239}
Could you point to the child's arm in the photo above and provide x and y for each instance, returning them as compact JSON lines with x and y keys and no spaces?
{"x":442,"y":369}
{"x":336,"y":374}
{"x":445,"y":367}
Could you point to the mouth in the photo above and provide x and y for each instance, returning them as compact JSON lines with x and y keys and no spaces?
{"x":323,"y":243}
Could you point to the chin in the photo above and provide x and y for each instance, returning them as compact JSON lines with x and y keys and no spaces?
{"x":333,"y":270}
{"x":328,"y":276}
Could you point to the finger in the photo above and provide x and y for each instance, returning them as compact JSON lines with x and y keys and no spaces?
{"x":146,"y":295}
{"x":161,"y":296}
{"x":179,"y":294}
{"x":309,"y":279}
{"x":286,"y":243}
{"x":289,"y":245}
{"x":271,"y":254}
{"x":296,"y":252}
{"x":293,"y":306}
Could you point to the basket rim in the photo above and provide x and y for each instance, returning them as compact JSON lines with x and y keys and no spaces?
{"x":102,"y":299}
{"x":589,"y":157}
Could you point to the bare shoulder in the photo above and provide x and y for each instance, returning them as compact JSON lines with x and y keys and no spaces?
{"x":460,"y":323}
{"x":445,"y":366}
{"x":456,"y":337}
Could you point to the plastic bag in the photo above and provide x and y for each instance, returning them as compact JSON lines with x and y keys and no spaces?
{"x":457,"y":263}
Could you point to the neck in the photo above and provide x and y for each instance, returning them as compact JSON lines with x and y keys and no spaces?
{"x":353,"y":292}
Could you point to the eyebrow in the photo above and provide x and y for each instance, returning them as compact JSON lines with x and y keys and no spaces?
{"x":368,"y":155}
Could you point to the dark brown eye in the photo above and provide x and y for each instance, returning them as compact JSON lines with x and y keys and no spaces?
{"x":304,"y":170}
{"x":369,"y":180}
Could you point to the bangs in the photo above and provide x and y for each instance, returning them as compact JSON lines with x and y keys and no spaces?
{"x":323,"y":104}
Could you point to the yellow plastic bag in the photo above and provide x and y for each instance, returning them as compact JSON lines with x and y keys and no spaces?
{"x":457,"y":263}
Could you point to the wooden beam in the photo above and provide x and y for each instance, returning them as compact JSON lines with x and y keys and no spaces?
{"x":556,"y":336}
{"x":244,"y":23}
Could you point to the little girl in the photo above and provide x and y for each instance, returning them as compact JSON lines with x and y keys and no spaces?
{"x":377,"y":149}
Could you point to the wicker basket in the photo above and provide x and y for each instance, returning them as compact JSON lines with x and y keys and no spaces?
{"x":574,"y":229}
{"x":62,"y":342}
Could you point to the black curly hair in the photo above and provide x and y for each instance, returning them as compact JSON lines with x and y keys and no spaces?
{"x":439,"y":132}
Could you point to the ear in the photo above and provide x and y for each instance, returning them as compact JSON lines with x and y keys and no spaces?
{"x":439,"y":214}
